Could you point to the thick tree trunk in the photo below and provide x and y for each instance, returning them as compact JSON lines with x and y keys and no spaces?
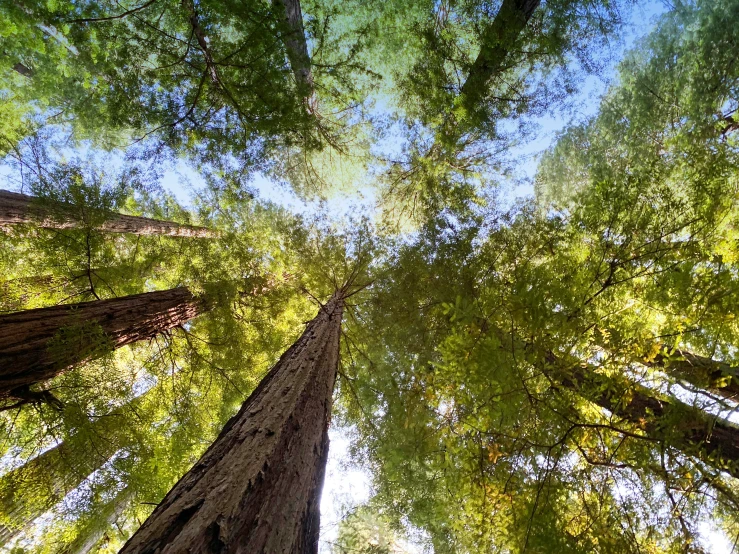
{"x":29,"y":491}
{"x":16,"y":208}
{"x":257,"y":488}
{"x":497,"y":41}
{"x":297,"y":46}
{"x":36,"y":345}
{"x":696,"y":433}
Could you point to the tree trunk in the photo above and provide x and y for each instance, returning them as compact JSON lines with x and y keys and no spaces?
{"x":257,"y":488}
{"x":702,"y":372}
{"x":31,"y":490}
{"x":16,"y":208}
{"x":39,"y":344}
{"x":497,"y":41}
{"x":108,"y":517}
{"x":694,"y":432}
{"x":296,"y":45}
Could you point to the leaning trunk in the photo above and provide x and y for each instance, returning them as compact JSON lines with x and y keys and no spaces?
{"x":702,"y":372}
{"x":498,"y":39}
{"x":16,"y":208}
{"x":29,"y":491}
{"x":39,"y":344}
{"x":713,"y":440}
{"x":297,"y":46}
{"x":107,"y":517}
{"x":257,"y":488}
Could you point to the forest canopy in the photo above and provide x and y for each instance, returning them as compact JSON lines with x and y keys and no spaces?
{"x":486,"y":253}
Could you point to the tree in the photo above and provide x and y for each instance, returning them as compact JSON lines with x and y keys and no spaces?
{"x":36,"y":345}
{"x":258,"y":486}
{"x":16,"y":208}
{"x":296,"y":46}
{"x":31,"y":490}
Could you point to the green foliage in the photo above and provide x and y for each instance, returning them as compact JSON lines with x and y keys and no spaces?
{"x":509,"y":372}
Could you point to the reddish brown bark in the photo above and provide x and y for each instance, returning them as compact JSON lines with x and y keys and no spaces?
{"x":257,"y":488}
{"x":16,"y":208}
{"x":36,"y":345}
{"x":497,"y":41}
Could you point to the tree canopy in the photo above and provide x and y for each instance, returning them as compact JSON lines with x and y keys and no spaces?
{"x":557,"y":372}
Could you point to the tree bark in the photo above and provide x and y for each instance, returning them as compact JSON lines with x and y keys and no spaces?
{"x":296,"y":45}
{"x":257,"y":488}
{"x":39,"y":344}
{"x":702,"y":372}
{"x":53,"y":475}
{"x":497,"y":41}
{"x":696,"y":433}
{"x":16,"y":208}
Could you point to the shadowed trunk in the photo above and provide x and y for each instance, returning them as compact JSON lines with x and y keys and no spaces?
{"x":16,"y":208}
{"x":702,"y":372}
{"x":31,"y":490}
{"x":694,"y":432}
{"x":497,"y":41}
{"x":36,"y":345}
{"x":296,"y":45}
{"x":23,"y":70}
{"x":257,"y":488}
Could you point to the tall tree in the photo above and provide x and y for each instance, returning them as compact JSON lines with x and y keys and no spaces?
{"x":498,"y":38}
{"x":297,"y":46}
{"x":17,"y":208}
{"x":257,"y":488}
{"x":31,"y":490}
{"x":36,"y":345}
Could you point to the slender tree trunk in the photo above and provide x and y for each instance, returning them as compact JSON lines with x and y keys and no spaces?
{"x":297,"y":46}
{"x":257,"y":488}
{"x":694,"y":432}
{"x":16,"y":208}
{"x":108,"y":517}
{"x":702,"y":372}
{"x":497,"y":41}
{"x":29,"y":491}
{"x":23,"y":70}
{"x":36,"y":345}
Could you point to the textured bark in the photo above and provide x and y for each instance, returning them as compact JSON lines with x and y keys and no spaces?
{"x":702,"y":372}
{"x":715,"y":441}
{"x":16,"y":208}
{"x":36,"y":345}
{"x":497,"y":41}
{"x":257,"y":488}
{"x":295,"y":43}
{"x":29,"y":491}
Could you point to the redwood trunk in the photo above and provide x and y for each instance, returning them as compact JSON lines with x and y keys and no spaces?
{"x":16,"y":208}
{"x":497,"y":41}
{"x":694,"y":432}
{"x":700,"y":371}
{"x":257,"y":488}
{"x":29,"y":491}
{"x":296,"y":44}
{"x":36,"y":345}
{"x":109,"y":516}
